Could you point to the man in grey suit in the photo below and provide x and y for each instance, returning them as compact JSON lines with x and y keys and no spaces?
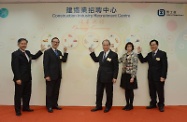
{"x":106,"y":76}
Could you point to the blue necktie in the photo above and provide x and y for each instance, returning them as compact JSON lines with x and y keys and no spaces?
{"x":56,"y":52}
{"x":104,"y":56}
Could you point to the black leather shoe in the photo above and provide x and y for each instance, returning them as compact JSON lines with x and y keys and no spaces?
{"x":130,"y":107}
{"x":124,"y":108}
{"x":18,"y":113}
{"x":106,"y":110}
{"x":57,"y":107}
{"x":161,"y":109}
{"x":28,"y":110}
{"x":50,"y":110}
{"x":151,"y":107}
{"x":96,"y":109}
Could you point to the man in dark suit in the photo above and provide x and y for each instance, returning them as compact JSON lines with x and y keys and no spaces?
{"x":157,"y":74}
{"x":21,"y":67}
{"x":106,"y":76}
{"x":53,"y":73}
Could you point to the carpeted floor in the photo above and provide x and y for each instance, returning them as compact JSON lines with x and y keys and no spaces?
{"x":83,"y":114}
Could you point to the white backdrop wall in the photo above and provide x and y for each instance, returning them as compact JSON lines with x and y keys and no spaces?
{"x":38,"y":22}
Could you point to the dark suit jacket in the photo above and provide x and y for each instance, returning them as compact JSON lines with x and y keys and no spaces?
{"x":52,"y":64}
{"x":21,"y":67}
{"x":107,"y":69}
{"x":157,"y":66}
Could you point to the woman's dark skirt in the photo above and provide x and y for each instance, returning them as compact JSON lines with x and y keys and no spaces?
{"x":125,"y":82}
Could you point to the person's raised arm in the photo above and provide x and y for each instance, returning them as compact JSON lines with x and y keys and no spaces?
{"x":65,"y":56}
{"x":140,"y":56}
{"x":39,"y":53}
{"x":93,"y":56}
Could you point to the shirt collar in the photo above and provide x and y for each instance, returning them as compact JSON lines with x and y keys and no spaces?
{"x":107,"y":52}
{"x":54,"y":49}
{"x":156,"y":51}
{"x":22,"y":50}
{"x":130,"y":53}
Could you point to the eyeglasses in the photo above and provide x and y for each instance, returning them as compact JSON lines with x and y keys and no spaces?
{"x":56,"y":42}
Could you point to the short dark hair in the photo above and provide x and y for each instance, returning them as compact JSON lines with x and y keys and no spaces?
{"x":22,"y":39}
{"x":106,"y":41}
{"x":129,"y":43}
{"x":153,"y":41}
{"x":54,"y":38}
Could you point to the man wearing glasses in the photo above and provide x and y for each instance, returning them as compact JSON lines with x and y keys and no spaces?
{"x":53,"y":73}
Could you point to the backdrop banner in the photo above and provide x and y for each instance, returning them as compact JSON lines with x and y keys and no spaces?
{"x":83,"y":25}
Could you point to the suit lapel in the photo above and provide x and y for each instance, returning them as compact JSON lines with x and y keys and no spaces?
{"x":23,"y":55}
{"x":107,"y":55}
{"x":157,"y":54}
{"x":59,"y":54}
{"x":28,"y":54}
{"x":53,"y":53}
{"x":101,"y":57}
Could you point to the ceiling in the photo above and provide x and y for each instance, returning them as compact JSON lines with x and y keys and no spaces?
{"x":65,"y":1}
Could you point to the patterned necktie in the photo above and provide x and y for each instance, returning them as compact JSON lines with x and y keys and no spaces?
{"x":56,"y":52}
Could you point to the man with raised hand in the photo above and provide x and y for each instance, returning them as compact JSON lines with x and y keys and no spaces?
{"x":157,"y":73}
{"x":21,"y":67}
{"x":52,"y":62}
{"x":106,"y":76}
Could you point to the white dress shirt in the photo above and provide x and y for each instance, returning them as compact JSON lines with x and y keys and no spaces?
{"x":25,"y":54}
